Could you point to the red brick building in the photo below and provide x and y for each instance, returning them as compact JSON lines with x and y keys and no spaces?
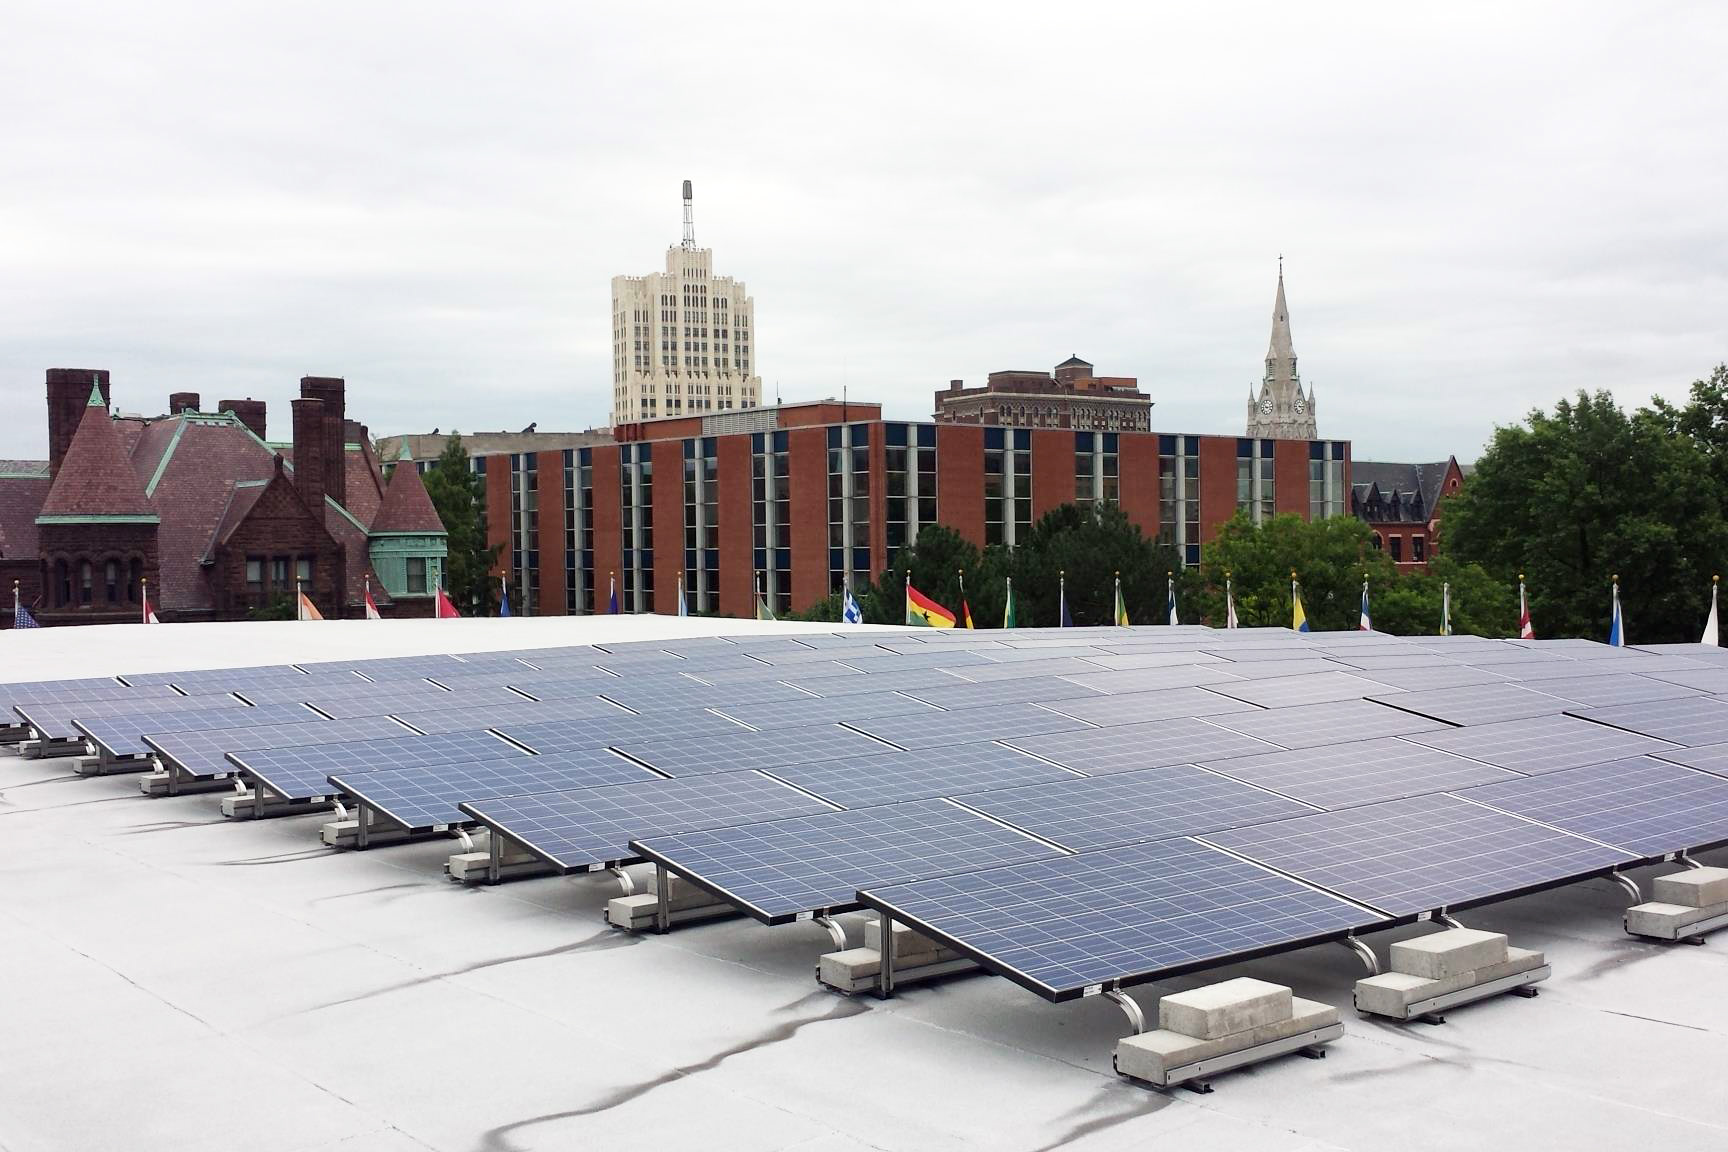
{"x":196,"y":510}
{"x":1401,"y":503}
{"x":805,"y":497}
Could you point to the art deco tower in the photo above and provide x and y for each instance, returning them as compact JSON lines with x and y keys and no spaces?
{"x":1280,"y":410}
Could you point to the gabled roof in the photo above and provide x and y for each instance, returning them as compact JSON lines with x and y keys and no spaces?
{"x":1417,"y":487}
{"x":355,"y":555}
{"x":365,"y":484}
{"x":406,"y":507}
{"x":96,"y":480}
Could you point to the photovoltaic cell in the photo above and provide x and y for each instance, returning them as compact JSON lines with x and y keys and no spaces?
{"x":1606,"y":691}
{"x":1362,"y":772}
{"x":1692,"y":722}
{"x":53,"y":719}
{"x":303,"y":772}
{"x":1164,"y":704}
{"x":830,"y":710}
{"x":1642,"y":805}
{"x":1126,"y":807}
{"x":1542,"y":743}
{"x":1284,"y":669}
{"x":600,"y":732}
{"x":742,"y":750}
{"x":1423,"y":854}
{"x":649,"y":699}
{"x":1070,"y":924}
{"x":1029,"y":689}
{"x":1430,"y":679}
{"x":204,"y":755}
{"x":586,"y":829}
{"x":52,"y":691}
{"x":1152,"y":679}
{"x":1478,"y":703}
{"x":123,"y":735}
{"x":351,"y":707}
{"x":940,"y":658}
{"x":857,"y":682}
{"x":427,"y":797}
{"x":1705,"y":679}
{"x":1293,"y":691}
{"x":1126,"y":747}
{"x":456,"y":717}
{"x":782,"y":869}
{"x":1015,"y":670}
{"x":967,"y":726}
{"x":863,"y":781}
{"x":1711,"y":758}
{"x":1141,"y":660}
{"x":1336,"y":722}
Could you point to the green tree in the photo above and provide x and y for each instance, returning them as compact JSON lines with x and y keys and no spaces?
{"x":1329,"y":557}
{"x":279,"y":608}
{"x":1087,"y":548}
{"x":459,"y":494}
{"x":1573,"y":497}
{"x":1411,"y":604}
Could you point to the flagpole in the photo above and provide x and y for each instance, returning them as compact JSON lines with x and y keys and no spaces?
{"x":1008,"y":620}
{"x":1229,"y":602}
{"x":1061,"y":598}
{"x":1446,"y":608}
{"x":15,"y":602}
{"x":1710,"y":637}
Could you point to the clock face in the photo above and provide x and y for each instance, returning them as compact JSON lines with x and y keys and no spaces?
{"x":1300,"y":407}
{"x":1266,"y":406}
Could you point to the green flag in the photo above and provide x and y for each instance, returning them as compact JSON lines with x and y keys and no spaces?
{"x":1008,"y":607}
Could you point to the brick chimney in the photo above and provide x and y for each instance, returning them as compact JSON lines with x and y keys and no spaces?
{"x":309,"y":470}
{"x":332,"y":390}
{"x":68,"y":396}
{"x":179,"y":402}
{"x":250,"y":413}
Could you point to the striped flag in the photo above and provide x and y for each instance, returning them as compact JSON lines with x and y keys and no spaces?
{"x":1170,"y":599}
{"x":683,"y":606}
{"x":1364,"y":624}
{"x":1008,"y":606}
{"x":965,"y":618}
{"x":1121,"y":612}
{"x":304,"y":609}
{"x":923,"y":612}
{"x":1446,"y":608}
{"x":149,"y":612}
{"x":763,"y":612}
{"x":1709,"y":636}
{"x":371,"y":604}
{"x":1617,"y":626}
{"x":612,"y":594}
{"x":21,"y":617}
{"x":1298,"y":618}
{"x":849,"y":610}
{"x":1525,"y":631}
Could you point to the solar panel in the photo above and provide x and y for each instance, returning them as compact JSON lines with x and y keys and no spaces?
{"x":863,"y":781}
{"x":1017,"y":669}
{"x":1280,"y":669}
{"x":1152,"y":679}
{"x":973,"y":643}
{"x":1381,"y":661}
{"x":1125,"y":747}
{"x":1126,"y":807}
{"x":1290,"y":691}
{"x":692,"y":693}
{"x":348,"y":708}
{"x":1642,"y":805}
{"x":383,"y":668}
{"x":967,"y":726}
{"x":587,"y":829}
{"x":584,"y":688}
{"x":1163,"y":704}
{"x":313,"y":690}
{"x":426,"y":798}
{"x":1036,"y":651}
{"x":1711,"y":680}
{"x":52,"y":719}
{"x":1164,"y":658}
{"x":474,"y":719}
{"x":1362,"y":772}
{"x":1542,"y":743}
{"x":205,"y":676}
{"x":1067,"y":926}
{"x":1429,"y":679}
{"x":1423,"y":854}
{"x":741,"y":750}
{"x":829,"y":710}
{"x":1694,"y":721}
{"x":1549,"y":669}
{"x":203,"y":755}
{"x":119,"y":736}
{"x":1711,"y":758}
{"x":1028,"y":689}
{"x":785,"y":870}
{"x":303,"y":772}
{"x":941,"y":658}
{"x":1257,"y":653}
{"x":1605,"y":691}
{"x":602,"y":731}
{"x":51,"y":691}
{"x":1477,"y":703}
{"x":1335,"y":722}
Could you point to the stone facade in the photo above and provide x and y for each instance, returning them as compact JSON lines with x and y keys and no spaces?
{"x":1068,"y":397}
{"x":1280,"y":410}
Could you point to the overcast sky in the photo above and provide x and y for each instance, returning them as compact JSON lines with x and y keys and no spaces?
{"x":1481,"y":206}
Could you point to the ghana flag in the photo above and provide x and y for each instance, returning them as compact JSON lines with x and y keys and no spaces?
{"x":925,"y":612}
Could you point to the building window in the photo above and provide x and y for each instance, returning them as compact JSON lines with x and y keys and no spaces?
{"x":636,"y":507}
{"x":86,"y":580}
{"x":771,"y":505}
{"x":702,"y":524}
{"x":111,"y":572}
{"x":416,"y":575}
{"x":1179,"y":495}
{"x":1097,"y":468}
{"x":525,"y":530}
{"x":1419,"y":549}
{"x":279,"y":575}
{"x":910,"y":483}
{"x":1379,"y":545}
{"x":303,"y":570}
{"x":1255,"y":479}
{"x":1396,"y":543}
{"x":574,"y":575}
{"x":848,"y":505}
{"x":585,"y":524}
{"x":1007,"y":485}
{"x":62,"y":584}
{"x":255,"y":579}
{"x":1325,"y":479}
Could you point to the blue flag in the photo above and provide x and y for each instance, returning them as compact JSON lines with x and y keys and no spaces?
{"x":23,"y":619}
{"x":849,"y":611}
{"x":1617,"y":629}
{"x":612,"y":596}
{"x":503,"y":597}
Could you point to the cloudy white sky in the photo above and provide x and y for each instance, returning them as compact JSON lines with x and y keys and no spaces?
{"x":1481,"y":206}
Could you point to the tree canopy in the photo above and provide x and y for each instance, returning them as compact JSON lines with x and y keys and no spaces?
{"x":459,"y":495}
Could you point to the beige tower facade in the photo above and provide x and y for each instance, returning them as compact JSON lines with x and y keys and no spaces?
{"x":683,"y":340}
{"x":1280,"y":410}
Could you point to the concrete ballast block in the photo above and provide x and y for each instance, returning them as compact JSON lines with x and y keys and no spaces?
{"x":909,"y":946}
{"x":1450,"y":953}
{"x":1693,"y":888}
{"x":1225,"y":1008}
{"x":1151,"y":1055}
{"x":1391,"y":993}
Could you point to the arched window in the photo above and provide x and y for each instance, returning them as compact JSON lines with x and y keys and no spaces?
{"x":86,"y":582}
{"x":62,"y":584}
{"x":111,"y":580}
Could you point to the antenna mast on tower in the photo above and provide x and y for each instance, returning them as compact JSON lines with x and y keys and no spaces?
{"x":689,"y":218}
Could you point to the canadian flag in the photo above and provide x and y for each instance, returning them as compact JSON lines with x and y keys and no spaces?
{"x":446,"y":610}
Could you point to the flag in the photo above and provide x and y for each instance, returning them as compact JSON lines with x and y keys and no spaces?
{"x":21,"y":617}
{"x":763,"y":612}
{"x":965,"y":619}
{"x":1525,"y":631}
{"x":683,"y":608}
{"x":1364,"y":624}
{"x":1229,"y":603}
{"x":612,"y":594}
{"x":1008,"y":606}
{"x":849,"y":610}
{"x":1617,"y":627}
{"x":1169,"y":599}
{"x":149,"y":613}
{"x":1709,"y":636}
{"x":924,"y":612}
{"x":446,"y":609}
{"x":1063,"y":620}
{"x":1446,"y":608}
{"x":305,"y":609}
{"x":1121,"y":612}
{"x":1298,"y":618}
{"x":371,"y":604}
{"x":503,"y":597}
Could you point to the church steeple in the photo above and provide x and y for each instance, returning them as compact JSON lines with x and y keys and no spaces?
{"x":1281,"y":411}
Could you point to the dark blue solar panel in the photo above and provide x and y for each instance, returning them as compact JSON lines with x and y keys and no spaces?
{"x":591,"y":828}
{"x":1139,"y":707}
{"x":1335,"y":722}
{"x":123,"y":735}
{"x":1125,"y":747}
{"x":459,"y":716}
{"x":1643,"y":805}
{"x":204,"y":755}
{"x":1692,"y":722}
{"x":742,"y":750}
{"x":693,"y":693}
{"x":1152,"y":679}
{"x":1711,"y":758}
{"x":431,"y":700}
{"x":828,"y":710}
{"x":861,"y":781}
{"x":426,"y":797}
{"x":1028,"y":689}
{"x":601,"y":732}
{"x":968,"y":726}
{"x":51,"y":691}
{"x":1125,"y":807}
{"x":53,"y":719}
{"x":1542,"y":743}
{"x":303,"y":772}
{"x":1423,"y":854}
{"x":1606,"y":691}
{"x":1067,"y":926}
{"x":1363,"y":772}
{"x":1477,"y":703}
{"x":1294,"y":691}
{"x":785,"y":869}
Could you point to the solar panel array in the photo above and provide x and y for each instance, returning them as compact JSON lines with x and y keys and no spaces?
{"x":1071,"y":807}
